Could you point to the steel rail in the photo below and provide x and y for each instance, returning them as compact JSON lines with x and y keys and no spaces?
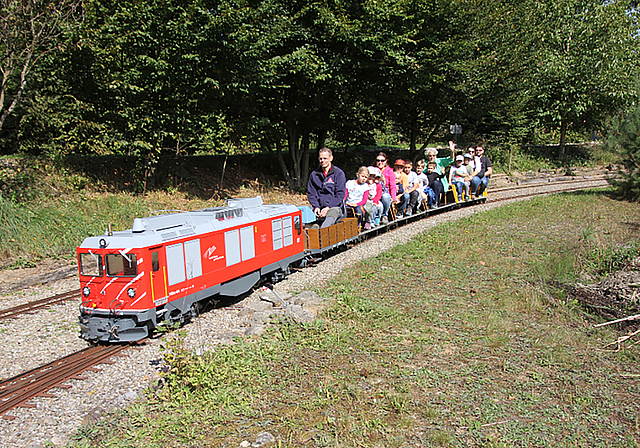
{"x":38,"y":304}
{"x":17,"y":391}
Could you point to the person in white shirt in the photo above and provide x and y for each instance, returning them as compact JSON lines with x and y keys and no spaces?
{"x":412,"y":188}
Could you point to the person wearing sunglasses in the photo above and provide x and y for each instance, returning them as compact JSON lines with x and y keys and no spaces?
{"x":482,"y":173}
{"x":389,"y":186}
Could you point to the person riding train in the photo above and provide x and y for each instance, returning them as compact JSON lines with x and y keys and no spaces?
{"x":326,"y":189}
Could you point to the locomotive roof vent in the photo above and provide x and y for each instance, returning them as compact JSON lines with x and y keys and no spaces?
{"x":245,"y":202}
{"x":139,"y":225}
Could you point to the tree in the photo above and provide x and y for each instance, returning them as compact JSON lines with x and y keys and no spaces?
{"x":623,"y":137}
{"x":29,"y":29}
{"x":423,"y":73}
{"x":309,"y":61}
{"x":564,"y":62}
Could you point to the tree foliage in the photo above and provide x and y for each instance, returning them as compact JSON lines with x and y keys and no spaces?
{"x":624,"y":137}
{"x":29,"y":30}
{"x":153,"y":77}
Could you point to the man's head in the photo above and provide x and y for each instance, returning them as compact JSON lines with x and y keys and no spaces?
{"x":325,"y":156}
{"x":479,"y":151}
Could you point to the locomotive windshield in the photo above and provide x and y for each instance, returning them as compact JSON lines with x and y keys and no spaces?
{"x":119,"y":265}
{"x":90,"y":264}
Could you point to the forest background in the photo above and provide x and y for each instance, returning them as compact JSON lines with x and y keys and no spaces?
{"x":152,"y":78}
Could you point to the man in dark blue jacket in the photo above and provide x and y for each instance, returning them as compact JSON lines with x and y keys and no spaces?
{"x":326,"y":189}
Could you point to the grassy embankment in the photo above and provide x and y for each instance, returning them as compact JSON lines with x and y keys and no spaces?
{"x":451,"y":340}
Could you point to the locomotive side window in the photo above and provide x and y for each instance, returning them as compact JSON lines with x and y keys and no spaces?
{"x":121,"y":266}
{"x":287,"y":231}
{"x":296,"y":223}
{"x":155,"y":261}
{"x":90,"y":264}
{"x":276,"y":228}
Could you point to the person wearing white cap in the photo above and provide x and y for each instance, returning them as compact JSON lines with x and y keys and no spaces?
{"x":374,"y":207}
{"x":459,"y":177}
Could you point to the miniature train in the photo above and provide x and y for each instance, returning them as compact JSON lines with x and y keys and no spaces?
{"x":161,"y":269}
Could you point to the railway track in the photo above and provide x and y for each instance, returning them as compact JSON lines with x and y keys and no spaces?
{"x":17,"y":391}
{"x":497,"y":195}
{"x":30,"y":307}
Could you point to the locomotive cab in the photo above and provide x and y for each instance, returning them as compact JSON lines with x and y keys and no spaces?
{"x":112,"y":293}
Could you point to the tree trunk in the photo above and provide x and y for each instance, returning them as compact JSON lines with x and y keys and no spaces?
{"x":413,"y":137}
{"x":304,"y":175}
{"x":322,"y":138}
{"x":294,"y":150}
{"x":563,"y":140}
{"x":283,"y":165}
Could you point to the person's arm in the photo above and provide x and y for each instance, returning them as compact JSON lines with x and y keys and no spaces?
{"x":312,"y":195}
{"x":416,"y":185}
{"x":390,"y":180}
{"x":378,"y":196}
{"x":341,"y":186}
{"x":477,"y":167}
{"x":365,"y":197}
{"x":489,"y":169}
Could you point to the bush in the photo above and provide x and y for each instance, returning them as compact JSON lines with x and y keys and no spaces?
{"x":624,"y":138}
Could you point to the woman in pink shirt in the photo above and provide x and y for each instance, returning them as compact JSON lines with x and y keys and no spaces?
{"x":388,"y":187}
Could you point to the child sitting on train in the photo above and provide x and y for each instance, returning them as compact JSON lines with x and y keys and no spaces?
{"x":373,"y":208}
{"x":434,"y":188}
{"x":402,"y":182}
{"x":424,"y":182}
{"x":412,"y":188}
{"x":459,"y":178}
{"x":468,"y":163}
{"x":358,"y":193}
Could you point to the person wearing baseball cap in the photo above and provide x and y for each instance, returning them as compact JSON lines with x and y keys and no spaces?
{"x":402,"y":183}
{"x":374,"y":207}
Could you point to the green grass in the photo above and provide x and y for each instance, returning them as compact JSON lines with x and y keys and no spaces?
{"x":455,"y":342}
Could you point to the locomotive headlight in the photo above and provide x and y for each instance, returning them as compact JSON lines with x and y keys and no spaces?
{"x":131,"y":293}
{"x":86,"y":291}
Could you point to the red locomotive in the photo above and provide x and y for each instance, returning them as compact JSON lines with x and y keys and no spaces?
{"x":164,"y":265}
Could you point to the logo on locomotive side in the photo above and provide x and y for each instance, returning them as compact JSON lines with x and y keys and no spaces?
{"x":210,"y":254}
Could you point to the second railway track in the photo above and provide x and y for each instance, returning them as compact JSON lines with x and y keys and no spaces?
{"x":17,"y":391}
{"x":38,"y":304}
